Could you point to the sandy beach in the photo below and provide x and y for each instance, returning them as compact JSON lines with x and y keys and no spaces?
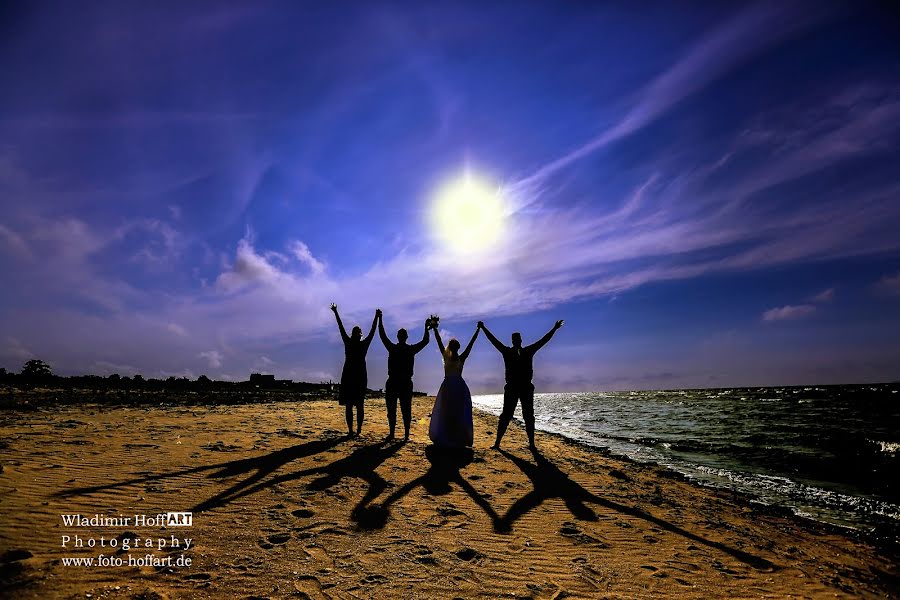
{"x":285,"y":505}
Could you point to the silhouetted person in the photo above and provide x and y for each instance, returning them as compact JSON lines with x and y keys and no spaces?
{"x":451,"y":417}
{"x":399,"y":384}
{"x":519,"y":367}
{"x":354,"y":378}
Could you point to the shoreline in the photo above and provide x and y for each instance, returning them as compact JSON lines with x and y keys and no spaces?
{"x":882,"y":539}
{"x":11,"y":399}
{"x":173,"y":398}
{"x":283,"y":503}
{"x":873,"y":519}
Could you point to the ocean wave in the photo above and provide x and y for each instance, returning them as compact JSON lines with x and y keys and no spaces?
{"x":829,"y":452}
{"x":809,"y":497}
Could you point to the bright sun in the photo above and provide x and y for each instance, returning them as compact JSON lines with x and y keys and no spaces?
{"x":468,"y":215}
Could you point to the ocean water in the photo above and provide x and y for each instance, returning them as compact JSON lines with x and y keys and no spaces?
{"x":829,"y":453}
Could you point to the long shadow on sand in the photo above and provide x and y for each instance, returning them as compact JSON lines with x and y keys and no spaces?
{"x":550,"y":482}
{"x":444,"y":470}
{"x":360,"y":464}
{"x":258,"y":467}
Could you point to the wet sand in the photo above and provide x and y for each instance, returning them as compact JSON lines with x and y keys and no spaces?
{"x":284,"y":505}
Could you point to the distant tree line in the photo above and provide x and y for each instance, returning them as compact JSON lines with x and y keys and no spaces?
{"x":37,"y":373}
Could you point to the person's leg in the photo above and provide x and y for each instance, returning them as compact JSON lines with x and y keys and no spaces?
{"x":527,"y":396}
{"x":390,"y":397}
{"x":359,"y":415}
{"x":509,"y":407}
{"x":406,"y":409}
{"x":348,"y":413}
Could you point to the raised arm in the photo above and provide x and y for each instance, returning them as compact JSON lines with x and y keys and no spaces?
{"x":344,"y":335}
{"x":426,"y":337}
{"x":471,"y":343}
{"x":369,"y":337}
{"x":437,"y":336}
{"x":540,"y":343}
{"x":384,"y":338}
{"x":499,"y":346}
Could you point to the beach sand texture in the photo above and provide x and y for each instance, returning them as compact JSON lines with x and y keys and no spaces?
{"x":286,"y":506}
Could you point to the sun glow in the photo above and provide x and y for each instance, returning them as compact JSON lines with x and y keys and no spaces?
{"x":468,"y":215}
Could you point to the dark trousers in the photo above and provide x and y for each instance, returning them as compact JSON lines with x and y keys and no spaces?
{"x":512,"y":395}
{"x":402,"y":391}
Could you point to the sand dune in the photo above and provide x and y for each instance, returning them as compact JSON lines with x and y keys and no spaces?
{"x":284,"y":505}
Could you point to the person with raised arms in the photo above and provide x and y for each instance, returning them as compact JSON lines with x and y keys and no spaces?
{"x":451,"y":417}
{"x":399,"y":384}
{"x":518,"y":364}
{"x":354,"y":378}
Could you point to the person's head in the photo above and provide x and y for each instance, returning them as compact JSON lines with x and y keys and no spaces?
{"x":402,"y":335}
{"x":356,"y":334}
{"x":517,"y":339}
{"x":453,"y":346}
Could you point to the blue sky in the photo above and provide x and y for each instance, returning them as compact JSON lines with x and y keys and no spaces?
{"x":709,"y":195}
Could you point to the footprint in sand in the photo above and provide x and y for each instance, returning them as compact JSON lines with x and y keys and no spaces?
{"x":276,"y":539}
{"x":310,"y":587}
{"x":449,"y":511}
{"x":467,"y":554}
{"x":570,"y":530}
{"x":425,"y":555}
{"x":619,"y":475}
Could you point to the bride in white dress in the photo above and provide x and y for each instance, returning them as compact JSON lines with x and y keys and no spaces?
{"x":451,"y":417}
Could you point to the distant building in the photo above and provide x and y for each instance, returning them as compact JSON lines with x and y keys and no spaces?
{"x":260,"y":379}
{"x":268,"y":381}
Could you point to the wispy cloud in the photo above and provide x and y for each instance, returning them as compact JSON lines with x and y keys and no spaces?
{"x":788,"y":312}
{"x":213,"y":358}
{"x":14,"y":242}
{"x":824,"y":296}
{"x":13,"y":349}
{"x":746,"y":34}
{"x":889,"y":284}
{"x":177,"y":329}
{"x":301,"y":252}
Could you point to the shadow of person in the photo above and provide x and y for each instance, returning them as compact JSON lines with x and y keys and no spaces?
{"x":445,"y":469}
{"x":446,"y":464}
{"x":361,"y":464}
{"x":550,"y":482}
{"x":258,"y":467}
{"x":263,"y":467}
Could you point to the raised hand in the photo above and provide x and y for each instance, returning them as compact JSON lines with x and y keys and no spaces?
{"x":378,"y":312}
{"x":559,"y":323}
{"x":480,"y":325}
{"x":333,"y":307}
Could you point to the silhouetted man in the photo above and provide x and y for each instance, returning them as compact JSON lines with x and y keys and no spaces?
{"x":518,"y":363}
{"x":399,"y":385}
